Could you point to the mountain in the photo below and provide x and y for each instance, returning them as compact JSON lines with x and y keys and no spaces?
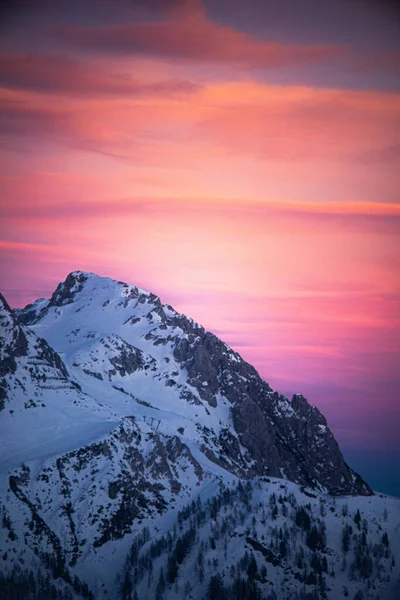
{"x":114,"y":336}
{"x":133,"y":441}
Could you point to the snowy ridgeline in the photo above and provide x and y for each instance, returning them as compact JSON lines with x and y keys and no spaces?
{"x":260,"y":539}
{"x":142,"y":458}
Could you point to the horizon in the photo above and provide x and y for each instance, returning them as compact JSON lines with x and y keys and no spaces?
{"x":239,"y":160}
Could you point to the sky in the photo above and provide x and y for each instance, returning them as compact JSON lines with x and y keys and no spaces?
{"x":239,"y":159}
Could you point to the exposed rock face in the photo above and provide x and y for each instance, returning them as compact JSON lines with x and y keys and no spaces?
{"x":282,"y":437}
{"x":27,"y":359}
{"x":66,"y":291}
{"x":13,"y":342}
{"x":293,"y":437}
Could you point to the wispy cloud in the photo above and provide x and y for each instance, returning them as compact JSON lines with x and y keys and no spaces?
{"x":72,"y":77}
{"x":196,"y":39}
{"x":208,"y":127}
{"x":19,"y":118}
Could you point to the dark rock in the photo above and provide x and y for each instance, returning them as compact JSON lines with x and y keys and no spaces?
{"x":67,"y":290}
{"x":128,"y":360}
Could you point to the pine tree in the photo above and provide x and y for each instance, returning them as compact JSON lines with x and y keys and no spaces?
{"x":172,"y":571}
{"x":363,"y":539}
{"x":347,"y":531}
{"x":303,"y":519}
{"x":252,"y":568}
{"x":126,"y":590}
{"x":216,"y":589}
{"x":357,"y":518}
{"x":161,"y":585}
{"x":312,"y":540}
{"x":324,"y":564}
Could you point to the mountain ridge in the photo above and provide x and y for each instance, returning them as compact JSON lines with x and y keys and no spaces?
{"x":132,"y":437}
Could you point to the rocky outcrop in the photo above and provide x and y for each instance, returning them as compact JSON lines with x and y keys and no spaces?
{"x":67,"y":290}
{"x":292,"y":439}
{"x":128,"y":360}
{"x":13,"y":342}
{"x":25,"y":357}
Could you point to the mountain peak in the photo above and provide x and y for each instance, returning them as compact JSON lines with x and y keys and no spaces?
{"x":77,"y":281}
{"x":118,"y":339}
{"x":78,"y":273}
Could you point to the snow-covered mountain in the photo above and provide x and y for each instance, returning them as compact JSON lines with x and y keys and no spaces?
{"x":144,"y":458}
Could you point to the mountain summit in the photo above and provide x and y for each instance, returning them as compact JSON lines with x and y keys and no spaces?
{"x":120,"y":418}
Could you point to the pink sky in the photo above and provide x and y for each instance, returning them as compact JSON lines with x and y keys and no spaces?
{"x":238,"y":175}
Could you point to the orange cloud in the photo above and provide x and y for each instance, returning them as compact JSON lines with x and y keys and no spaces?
{"x":300,"y":123}
{"x":227,"y":139}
